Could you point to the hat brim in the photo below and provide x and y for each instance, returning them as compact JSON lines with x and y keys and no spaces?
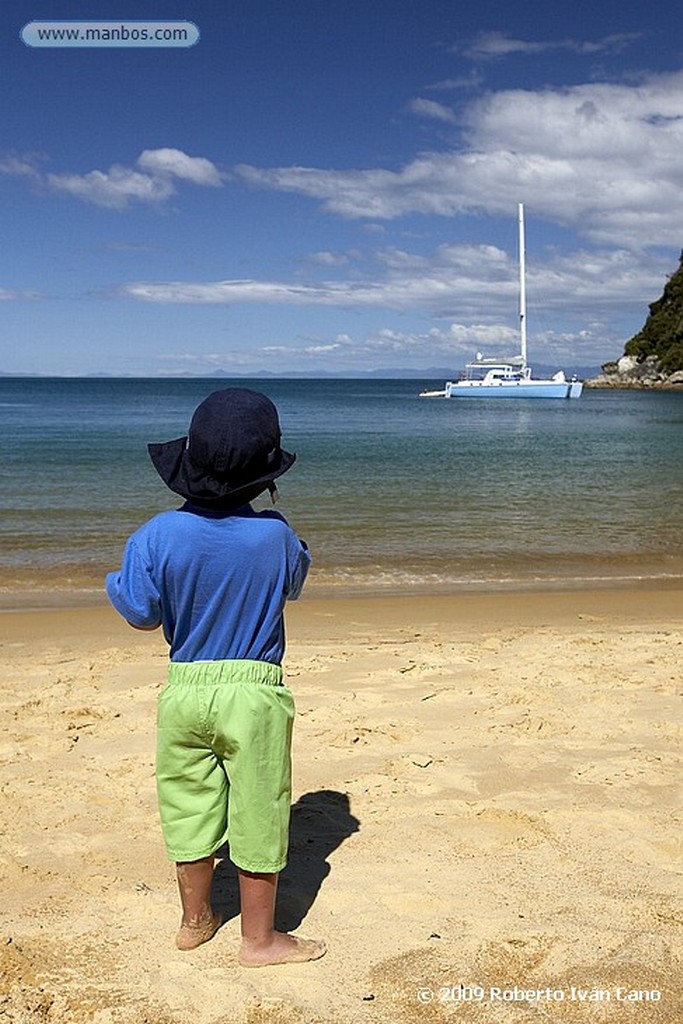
{"x":182,"y":476}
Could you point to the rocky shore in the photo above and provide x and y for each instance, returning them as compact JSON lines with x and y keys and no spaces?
{"x":628,"y":372}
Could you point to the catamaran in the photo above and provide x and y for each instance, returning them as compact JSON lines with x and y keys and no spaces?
{"x":509,"y":378}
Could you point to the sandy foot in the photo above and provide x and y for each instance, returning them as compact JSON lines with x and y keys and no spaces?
{"x":284,"y":949}
{"x":197,"y":932}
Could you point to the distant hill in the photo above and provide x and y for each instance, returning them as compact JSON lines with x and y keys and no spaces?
{"x":400,"y":373}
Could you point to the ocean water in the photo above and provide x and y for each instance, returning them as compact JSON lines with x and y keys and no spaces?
{"x":391,"y":491}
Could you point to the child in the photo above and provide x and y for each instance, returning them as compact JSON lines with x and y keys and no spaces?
{"x":215,"y":575}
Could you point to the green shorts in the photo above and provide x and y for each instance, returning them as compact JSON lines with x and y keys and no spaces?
{"x":223,"y":768}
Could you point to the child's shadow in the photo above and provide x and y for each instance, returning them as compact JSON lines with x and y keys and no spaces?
{"x":320,"y":823}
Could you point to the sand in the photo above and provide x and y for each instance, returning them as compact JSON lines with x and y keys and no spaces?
{"x":485,"y":796}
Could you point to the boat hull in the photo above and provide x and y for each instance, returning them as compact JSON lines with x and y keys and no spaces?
{"x":514,"y":389}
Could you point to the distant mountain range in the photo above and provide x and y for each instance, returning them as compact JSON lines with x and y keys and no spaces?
{"x":438,"y":373}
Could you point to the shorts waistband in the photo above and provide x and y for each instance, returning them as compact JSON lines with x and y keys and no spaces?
{"x":235,"y":670}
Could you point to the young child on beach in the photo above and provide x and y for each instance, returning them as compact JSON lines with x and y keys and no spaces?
{"x":215,"y":575}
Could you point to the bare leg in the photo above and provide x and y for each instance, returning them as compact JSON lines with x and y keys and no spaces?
{"x":261,"y":944}
{"x":199,"y":924}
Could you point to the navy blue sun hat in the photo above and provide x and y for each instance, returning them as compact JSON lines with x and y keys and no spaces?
{"x":231,"y":452}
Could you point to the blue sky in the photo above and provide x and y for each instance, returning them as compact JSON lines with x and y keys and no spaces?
{"x":331,"y":186}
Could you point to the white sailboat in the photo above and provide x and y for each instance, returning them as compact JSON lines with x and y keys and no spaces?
{"x":509,"y":378}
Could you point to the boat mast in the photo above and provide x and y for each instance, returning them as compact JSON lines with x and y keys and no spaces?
{"x":522,"y":284}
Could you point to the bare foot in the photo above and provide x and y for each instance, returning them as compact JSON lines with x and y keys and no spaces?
{"x":282,"y":949}
{"x":195,"y":933}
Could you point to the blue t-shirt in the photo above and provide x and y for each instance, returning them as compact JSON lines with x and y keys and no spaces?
{"x":216,"y":581}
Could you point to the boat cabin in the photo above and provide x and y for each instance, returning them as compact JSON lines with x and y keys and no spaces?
{"x":490,"y":373}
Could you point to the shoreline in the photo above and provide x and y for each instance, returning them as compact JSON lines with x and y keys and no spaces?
{"x":26,"y":599}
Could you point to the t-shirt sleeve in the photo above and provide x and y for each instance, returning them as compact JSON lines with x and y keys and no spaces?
{"x":132,"y":590}
{"x":299,"y":564}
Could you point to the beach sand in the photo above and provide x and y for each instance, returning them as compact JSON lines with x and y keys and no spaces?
{"x":485,"y":795}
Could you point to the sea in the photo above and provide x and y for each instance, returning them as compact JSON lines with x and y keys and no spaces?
{"x":393,"y":493}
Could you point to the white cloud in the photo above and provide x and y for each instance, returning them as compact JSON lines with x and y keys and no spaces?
{"x":173,"y":163}
{"x":432,"y":110}
{"x":400,"y":260}
{"x":404,"y":281}
{"x":472,"y":80}
{"x":334,"y":259}
{"x":20,"y":166}
{"x":455,"y":281}
{"x":497,"y":44}
{"x":115,"y":188}
{"x":604,"y":158}
{"x":8,"y":295}
{"x":451,"y":346}
{"x":151,"y":181}
{"x":487,"y":45}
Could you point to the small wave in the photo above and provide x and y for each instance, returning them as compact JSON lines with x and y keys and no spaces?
{"x":400,"y":581}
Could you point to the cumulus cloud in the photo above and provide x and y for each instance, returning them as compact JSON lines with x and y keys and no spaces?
{"x":604,"y":158}
{"x":173,"y":163}
{"x":114,"y":188}
{"x":151,"y":181}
